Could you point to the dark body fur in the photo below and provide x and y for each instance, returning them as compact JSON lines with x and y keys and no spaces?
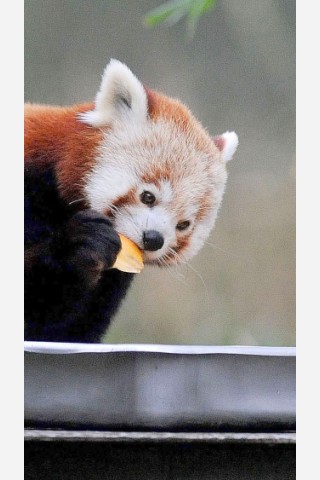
{"x":71,"y":293}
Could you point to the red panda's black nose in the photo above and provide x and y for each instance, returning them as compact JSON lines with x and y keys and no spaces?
{"x":152,"y":240}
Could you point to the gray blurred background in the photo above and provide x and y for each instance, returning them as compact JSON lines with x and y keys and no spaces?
{"x":238,"y":73}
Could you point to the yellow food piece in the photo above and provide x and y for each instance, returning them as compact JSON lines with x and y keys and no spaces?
{"x":129,"y":258}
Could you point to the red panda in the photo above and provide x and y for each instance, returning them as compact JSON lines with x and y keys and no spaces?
{"x":135,"y":162}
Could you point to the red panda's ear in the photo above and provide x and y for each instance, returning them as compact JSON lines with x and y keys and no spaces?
{"x":121,"y":97}
{"x":227,"y":143}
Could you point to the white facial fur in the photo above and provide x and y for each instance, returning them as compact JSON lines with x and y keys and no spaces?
{"x":138,"y":154}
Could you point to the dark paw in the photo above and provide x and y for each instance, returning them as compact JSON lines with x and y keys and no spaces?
{"x":93,"y":245}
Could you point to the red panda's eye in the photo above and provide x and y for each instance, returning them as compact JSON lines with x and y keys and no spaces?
{"x":182,"y":225}
{"x":148,"y":198}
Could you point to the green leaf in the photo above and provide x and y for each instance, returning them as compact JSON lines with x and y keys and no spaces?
{"x":172,"y":11}
{"x":168,"y":10}
{"x":197,"y":9}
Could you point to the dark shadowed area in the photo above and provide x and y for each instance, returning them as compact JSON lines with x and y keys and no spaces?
{"x":238,"y":73}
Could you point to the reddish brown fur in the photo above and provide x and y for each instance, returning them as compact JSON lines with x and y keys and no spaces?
{"x":205,"y":206}
{"x":121,"y":201}
{"x":157,"y":174}
{"x":159,"y":105}
{"x":183,"y":243}
{"x":167,"y":108}
{"x":54,"y":135}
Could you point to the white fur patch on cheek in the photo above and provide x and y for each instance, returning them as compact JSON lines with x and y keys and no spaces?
{"x":106,"y":183}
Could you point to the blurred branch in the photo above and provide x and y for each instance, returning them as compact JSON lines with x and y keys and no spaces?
{"x":170,"y":12}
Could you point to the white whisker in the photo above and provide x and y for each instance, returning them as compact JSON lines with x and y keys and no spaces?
{"x":77,"y":200}
{"x":199,"y":276}
{"x":165,"y":261}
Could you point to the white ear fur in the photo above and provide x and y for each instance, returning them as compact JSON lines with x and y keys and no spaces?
{"x":230,"y":145}
{"x":121,"y":97}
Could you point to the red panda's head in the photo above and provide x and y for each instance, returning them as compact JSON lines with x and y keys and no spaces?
{"x":158,"y":175}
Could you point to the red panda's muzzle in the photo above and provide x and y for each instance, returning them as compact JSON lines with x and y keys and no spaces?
{"x":152,"y":240}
